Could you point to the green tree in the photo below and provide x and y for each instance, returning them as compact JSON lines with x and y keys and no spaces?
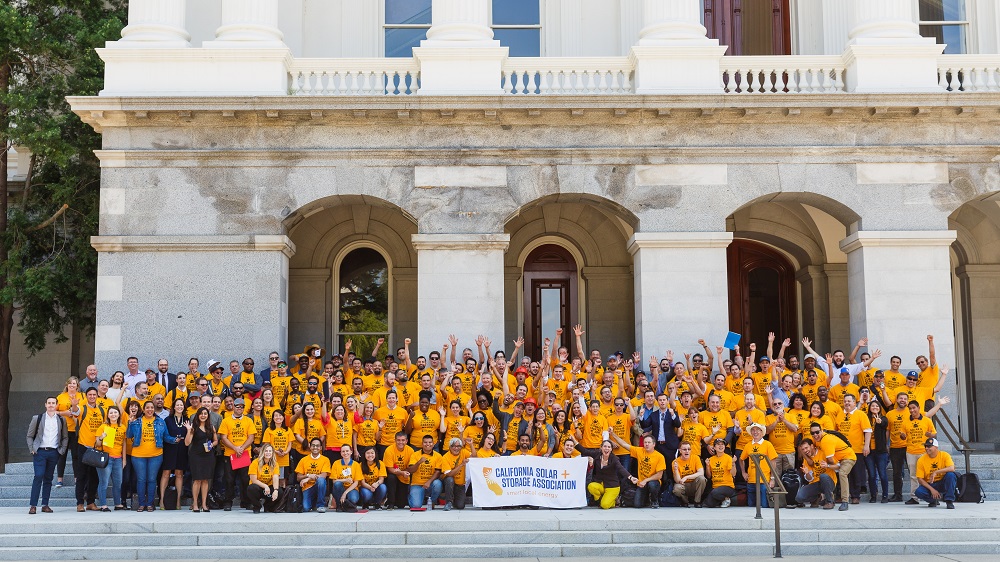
{"x":47,"y":267}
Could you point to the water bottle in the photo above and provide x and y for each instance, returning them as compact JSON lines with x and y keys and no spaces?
{"x":429,"y":500}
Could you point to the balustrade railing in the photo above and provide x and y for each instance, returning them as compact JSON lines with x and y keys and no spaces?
{"x":354,"y":77}
{"x":567,"y":75}
{"x":969,"y":73}
{"x":784,"y":75}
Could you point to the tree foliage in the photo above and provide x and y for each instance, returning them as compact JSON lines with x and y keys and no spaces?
{"x":47,"y":267}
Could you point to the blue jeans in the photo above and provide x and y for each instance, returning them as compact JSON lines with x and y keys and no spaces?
{"x":417,"y":496}
{"x":314,"y":496}
{"x":44,"y":462}
{"x":338,"y":490}
{"x":752,"y":495}
{"x":946,"y":486}
{"x":375,"y":498}
{"x":112,"y":473}
{"x":876,"y":463}
{"x":146,"y":472}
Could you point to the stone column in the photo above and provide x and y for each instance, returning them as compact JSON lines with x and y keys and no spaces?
{"x":460,"y":56}
{"x":674,"y":310}
{"x":232,"y":301}
{"x":155,"y":24}
{"x":248,"y":23}
{"x":460,"y":287}
{"x":979,"y":288}
{"x":900,"y":291}
{"x":674,"y":55}
{"x":886,"y":52}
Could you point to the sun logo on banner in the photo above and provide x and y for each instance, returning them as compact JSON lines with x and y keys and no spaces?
{"x":492,"y":484}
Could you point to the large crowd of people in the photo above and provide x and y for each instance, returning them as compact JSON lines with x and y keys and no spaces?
{"x":385,"y":432}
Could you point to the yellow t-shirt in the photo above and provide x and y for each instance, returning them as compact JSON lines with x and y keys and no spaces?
{"x":339,"y":470}
{"x":308,"y":430}
{"x":694,"y":433}
{"x":838,"y":392}
{"x":65,"y":404}
{"x":763,"y":448}
{"x":853,"y":425}
{"x":833,"y":446}
{"x":648,"y":463}
{"x":722,"y":419}
{"x":425,"y":423}
{"x":262,"y":471}
{"x":898,"y":420}
{"x":620,"y":425}
{"x":339,"y":433}
{"x":686,"y":467}
{"x":721,"y":469}
{"x":592,"y":430}
{"x":310,"y":465}
{"x":811,"y":392}
{"x":916,"y":435}
{"x":90,"y":419}
{"x":926,"y":465}
{"x":366,"y":431}
{"x":426,"y":470}
{"x":147,"y":446}
{"x":375,"y":472}
{"x":450,"y":461}
{"x":452,"y":424}
{"x":279,"y":439}
{"x":114,"y":450}
{"x":928,"y":378}
{"x":799,"y":418}
{"x":394,"y":419}
{"x":237,"y":430}
{"x":395,"y":458}
{"x":157,"y":388}
{"x":745,"y":418}
{"x":815,"y":465}
{"x":781,"y":437}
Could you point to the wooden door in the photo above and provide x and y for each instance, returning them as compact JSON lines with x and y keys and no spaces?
{"x":762,"y":294}
{"x":550,"y":297}
{"x":750,"y":27}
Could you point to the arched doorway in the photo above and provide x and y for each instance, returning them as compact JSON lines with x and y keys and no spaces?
{"x":761,"y":293}
{"x":362,"y":300}
{"x":750,"y":27}
{"x":550,"y":295}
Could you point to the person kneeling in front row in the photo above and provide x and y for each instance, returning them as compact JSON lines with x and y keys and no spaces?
{"x":722,"y":469}
{"x":936,"y":475}
{"x":689,"y":477}
{"x":425,"y":468}
{"x":312,"y":472}
{"x":819,"y":477}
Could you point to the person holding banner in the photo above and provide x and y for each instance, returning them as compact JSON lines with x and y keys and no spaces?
{"x":608,"y":473}
{"x":568,"y":450}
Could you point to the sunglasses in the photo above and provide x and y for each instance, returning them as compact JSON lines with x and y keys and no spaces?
{"x":815,"y":432}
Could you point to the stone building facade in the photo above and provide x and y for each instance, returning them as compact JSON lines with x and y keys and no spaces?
{"x":657,"y":192}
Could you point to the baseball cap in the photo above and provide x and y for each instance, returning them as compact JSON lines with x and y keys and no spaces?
{"x":931,"y":442}
{"x":194,"y":394}
{"x":530,"y":401}
{"x":913,"y":375}
{"x":765,"y":358}
{"x":845,"y":371}
{"x":239,"y":402}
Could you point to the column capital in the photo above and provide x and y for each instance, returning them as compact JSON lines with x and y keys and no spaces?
{"x":978,"y":270}
{"x":468,"y":242}
{"x":642,"y":240}
{"x":227,"y":243}
{"x":898,"y":238}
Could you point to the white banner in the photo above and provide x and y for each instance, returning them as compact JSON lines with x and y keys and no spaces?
{"x":526,"y":480}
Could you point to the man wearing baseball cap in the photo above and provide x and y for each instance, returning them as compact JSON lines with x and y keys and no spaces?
{"x":936,"y":475}
{"x":236,"y":433}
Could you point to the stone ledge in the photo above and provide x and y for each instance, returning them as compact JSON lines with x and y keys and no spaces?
{"x":229,"y":243}
{"x":468,"y":242}
{"x":641,"y":240}
{"x":898,"y":238}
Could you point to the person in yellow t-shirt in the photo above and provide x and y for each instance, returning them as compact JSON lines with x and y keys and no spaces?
{"x":919,"y":428}
{"x":236,"y":433}
{"x":307,"y":428}
{"x":594,"y":427}
{"x":568,"y":450}
{"x":820,"y":478}
{"x":453,"y":474}
{"x":781,"y":433}
{"x":147,"y":435}
{"x":689,"y":476}
{"x":929,"y":370}
{"x":370,"y":475}
{"x":281,"y":439}
{"x":366,"y":432}
{"x":263,"y":474}
{"x":694,"y":432}
{"x":718,"y":420}
{"x":839,"y":456}
{"x":856,"y":426}
{"x":312,"y":473}
{"x":112,"y":429}
{"x":391,"y":420}
{"x":650,"y":466}
{"x":757,"y":446}
{"x":425,"y":467}
{"x":936,"y":474}
{"x":91,"y":417}
{"x":425,"y":422}
{"x":810,"y":389}
{"x":344,"y":485}
{"x":746,"y":417}
{"x":722,"y":468}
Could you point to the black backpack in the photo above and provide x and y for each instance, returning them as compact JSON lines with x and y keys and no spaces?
{"x":293,"y":503}
{"x":969,"y":489}
{"x":790,"y":480}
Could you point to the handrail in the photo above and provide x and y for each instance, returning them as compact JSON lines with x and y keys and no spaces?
{"x":777,"y":491}
{"x":962,"y":446}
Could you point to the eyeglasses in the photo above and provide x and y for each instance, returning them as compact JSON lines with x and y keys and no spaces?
{"x":815,"y":432}
{"x":273,"y":358}
{"x":237,"y":388}
{"x":203,"y":384}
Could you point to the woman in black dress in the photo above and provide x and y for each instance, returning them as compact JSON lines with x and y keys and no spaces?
{"x":201,"y":441}
{"x":175,"y":456}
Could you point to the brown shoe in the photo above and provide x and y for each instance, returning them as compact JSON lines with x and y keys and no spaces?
{"x":855,"y":501}
{"x":91,"y":507}
{"x":31,"y":510}
{"x":46,"y":509}
{"x":828,"y":506}
{"x":80,"y":509}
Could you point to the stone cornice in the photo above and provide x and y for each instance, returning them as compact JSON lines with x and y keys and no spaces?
{"x":868,"y":238}
{"x":227,"y":243}
{"x":641,"y":240}
{"x":468,"y":242}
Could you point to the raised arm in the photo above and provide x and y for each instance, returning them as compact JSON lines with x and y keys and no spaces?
{"x":406,"y":354}
{"x":454,"y":348}
{"x":931,"y":354}
{"x":578,"y":331}
{"x":770,"y":345}
{"x":863,"y":342}
{"x":784,"y":345}
{"x":709,"y":357}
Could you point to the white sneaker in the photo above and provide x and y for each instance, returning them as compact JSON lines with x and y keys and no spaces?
{"x":726,"y":502}
{"x":321,"y":509}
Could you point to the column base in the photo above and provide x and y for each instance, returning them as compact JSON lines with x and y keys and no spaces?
{"x":682,"y":68}
{"x":888,"y":66}
{"x":462,"y":68}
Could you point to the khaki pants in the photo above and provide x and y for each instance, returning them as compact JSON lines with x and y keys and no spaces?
{"x":784,"y":462}
{"x":911,"y":464}
{"x":692,"y":490}
{"x":843,"y":479}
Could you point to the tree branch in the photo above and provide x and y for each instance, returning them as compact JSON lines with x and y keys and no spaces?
{"x":50,"y":220}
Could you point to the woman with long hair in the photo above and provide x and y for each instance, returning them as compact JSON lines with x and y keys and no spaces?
{"x":267,"y":397}
{"x":133,"y":411}
{"x":345,"y":487}
{"x":148,"y":434}
{"x":67,"y":402}
{"x":175,"y":455}
{"x":371,"y":479}
{"x":280,"y":438}
{"x":476,"y":430}
{"x":878,"y":458}
{"x":305,"y":429}
{"x":366,"y":431}
{"x":263,"y":480}
{"x":608,"y":474}
{"x":260,"y":422}
{"x":453,"y":423}
{"x":339,"y":431}
{"x":201,"y":441}
{"x":114,"y":429}
{"x":543,"y":436}
{"x":817,"y":414}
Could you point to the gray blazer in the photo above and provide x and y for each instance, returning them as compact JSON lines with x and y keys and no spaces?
{"x":35,"y":434}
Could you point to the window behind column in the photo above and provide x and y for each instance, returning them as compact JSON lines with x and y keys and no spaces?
{"x":516,"y":24}
{"x":945,"y":21}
